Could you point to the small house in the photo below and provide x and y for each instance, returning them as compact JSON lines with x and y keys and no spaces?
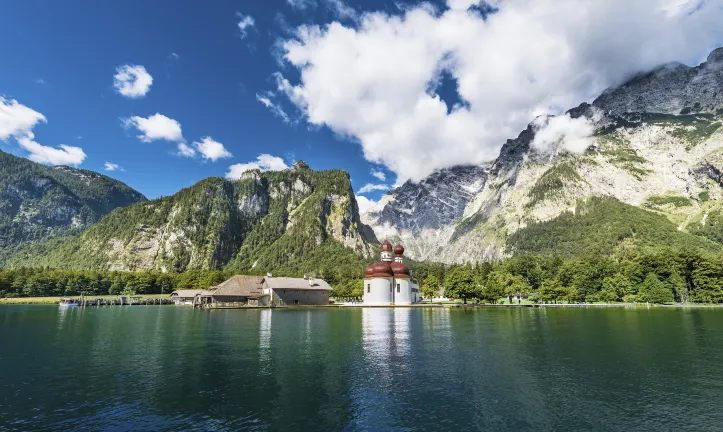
{"x":296,"y":291}
{"x":184,"y":297}
{"x":240,"y":290}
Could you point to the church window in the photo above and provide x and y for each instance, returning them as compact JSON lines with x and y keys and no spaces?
{"x":399,"y":287}
{"x":369,"y":288}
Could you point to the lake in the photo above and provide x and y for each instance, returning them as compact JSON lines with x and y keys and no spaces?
{"x":176,"y":368}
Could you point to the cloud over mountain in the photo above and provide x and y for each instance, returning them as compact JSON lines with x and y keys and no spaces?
{"x":17,"y":121}
{"x":510,"y":61}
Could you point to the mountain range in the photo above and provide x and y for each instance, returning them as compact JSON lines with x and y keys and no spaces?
{"x":653,"y":151}
{"x":641,"y":166}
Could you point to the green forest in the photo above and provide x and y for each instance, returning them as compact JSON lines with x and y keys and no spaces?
{"x":663,"y":275}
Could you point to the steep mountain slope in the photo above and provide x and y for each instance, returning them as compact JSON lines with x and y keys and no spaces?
{"x":427,"y":209}
{"x":38,"y":202}
{"x":666,"y":159}
{"x":257,"y":223}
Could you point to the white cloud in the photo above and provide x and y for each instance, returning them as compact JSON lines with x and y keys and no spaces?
{"x":112,"y":167}
{"x":573,"y":135}
{"x":132,"y":81}
{"x":264,"y":162}
{"x":185,"y":151}
{"x":379,"y":174}
{"x":274,"y":108}
{"x":372,"y":82}
{"x":65,"y":155}
{"x":246,"y":23}
{"x":373,"y":187}
{"x":364,"y":203}
{"x":156,"y":127}
{"x":17,"y":121}
{"x":211,"y":149}
{"x":174,"y":56}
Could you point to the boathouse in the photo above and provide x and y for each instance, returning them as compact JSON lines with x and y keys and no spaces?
{"x":184,"y":297}
{"x":239,"y":290}
{"x":296,"y":291}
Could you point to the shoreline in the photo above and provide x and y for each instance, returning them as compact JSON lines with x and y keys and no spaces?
{"x":55,"y":300}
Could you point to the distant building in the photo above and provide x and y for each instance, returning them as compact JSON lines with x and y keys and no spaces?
{"x":239,"y":290}
{"x":243,"y":290}
{"x":296,"y":291}
{"x":184,"y":297}
{"x":389,"y":281}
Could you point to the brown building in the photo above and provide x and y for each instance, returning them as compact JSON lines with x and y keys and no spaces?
{"x":240,"y":290}
{"x":184,"y":297}
{"x":296,"y":291}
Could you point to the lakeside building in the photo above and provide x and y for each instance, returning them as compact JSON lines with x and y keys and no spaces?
{"x":296,"y":291}
{"x":244,"y":290}
{"x":184,"y":297}
{"x":239,"y":290}
{"x":389,"y":281}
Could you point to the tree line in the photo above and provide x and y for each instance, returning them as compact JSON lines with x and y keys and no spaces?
{"x":658,"y":275}
{"x":44,"y":282}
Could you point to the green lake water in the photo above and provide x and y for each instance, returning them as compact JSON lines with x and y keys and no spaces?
{"x":175,"y":368}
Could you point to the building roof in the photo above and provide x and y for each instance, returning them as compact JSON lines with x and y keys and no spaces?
{"x":186,"y":293}
{"x":296,"y":283}
{"x":240,"y":286}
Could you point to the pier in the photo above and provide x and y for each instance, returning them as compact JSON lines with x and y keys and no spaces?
{"x":121,"y":301}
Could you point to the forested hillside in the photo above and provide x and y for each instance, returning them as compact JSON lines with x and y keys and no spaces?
{"x":293,"y":221}
{"x":38,"y":202}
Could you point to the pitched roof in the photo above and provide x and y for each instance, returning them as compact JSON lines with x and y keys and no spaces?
{"x":239,"y":286}
{"x":186,"y":293}
{"x":296,"y":283}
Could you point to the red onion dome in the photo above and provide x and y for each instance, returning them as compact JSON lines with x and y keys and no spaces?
{"x":400,"y":270}
{"x":386,"y":246}
{"x":399,"y":250}
{"x":379,"y":269}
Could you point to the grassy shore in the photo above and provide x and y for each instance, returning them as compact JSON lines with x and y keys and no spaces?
{"x":55,"y":300}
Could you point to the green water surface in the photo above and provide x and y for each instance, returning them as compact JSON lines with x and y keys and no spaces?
{"x":176,"y":368}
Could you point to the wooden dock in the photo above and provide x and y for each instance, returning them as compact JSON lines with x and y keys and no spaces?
{"x":122,"y":301}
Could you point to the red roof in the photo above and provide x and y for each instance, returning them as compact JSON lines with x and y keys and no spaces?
{"x":379,"y":269}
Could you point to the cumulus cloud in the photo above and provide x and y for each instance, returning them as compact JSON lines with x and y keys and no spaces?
{"x":185,"y":151}
{"x":17,"y":121}
{"x":155,"y":127}
{"x":112,"y":167}
{"x":376,"y":82}
{"x":246,"y":23}
{"x":132,"y":81}
{"x":64,"y":155}
{"x":379,"y":174}
{"x":572,"y":135}
{"x":211,"y":149}
{"x":364,"y":203}
{"x":369,"y":187}
{"x":264,"y":162}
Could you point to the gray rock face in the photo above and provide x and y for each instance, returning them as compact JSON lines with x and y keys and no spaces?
{"x":670,"y":89}
{"x":436,"y":201}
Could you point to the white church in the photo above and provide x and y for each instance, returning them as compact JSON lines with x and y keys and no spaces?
{"x":389,"y":281}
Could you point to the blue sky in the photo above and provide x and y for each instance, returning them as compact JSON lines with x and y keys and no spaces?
{"x":60,"y":60}
{"x":387,"y":90}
